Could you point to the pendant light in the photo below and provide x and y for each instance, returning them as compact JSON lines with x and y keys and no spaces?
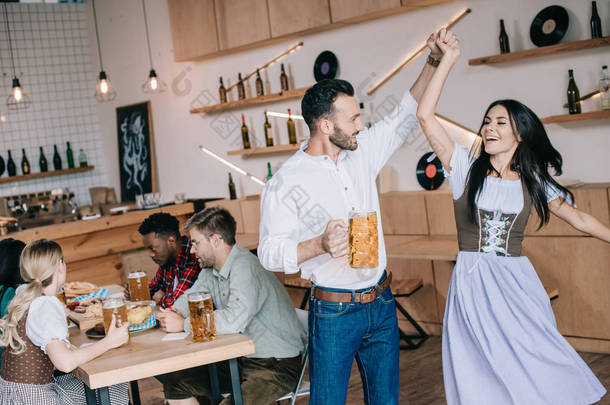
{"x":18,"y":100}
{"x":153,"y":84}
{"x":104,"y":91}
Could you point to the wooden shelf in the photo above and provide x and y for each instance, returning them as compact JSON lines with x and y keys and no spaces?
{"x":545,"y":50}
{"x":45,"y":174}
{"x":268,"y":98}
{"x":594,"y":115}
{"x":265,"y":150}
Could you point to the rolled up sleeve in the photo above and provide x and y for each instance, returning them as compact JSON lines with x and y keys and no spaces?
{"x":279,"y":229}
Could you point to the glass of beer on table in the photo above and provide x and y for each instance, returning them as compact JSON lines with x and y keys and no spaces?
{"x":138,"y":286}
{"x":201,"y":312}
{"x":363,"y":240}
{"x":117,"y":307}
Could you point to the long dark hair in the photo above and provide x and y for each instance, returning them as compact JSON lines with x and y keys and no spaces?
{"x":531,"y":160}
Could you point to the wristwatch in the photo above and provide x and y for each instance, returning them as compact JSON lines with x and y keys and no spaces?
{"x":434,"y":62}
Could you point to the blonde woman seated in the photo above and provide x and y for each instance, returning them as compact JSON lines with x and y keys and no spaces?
{"x":34,"y":335}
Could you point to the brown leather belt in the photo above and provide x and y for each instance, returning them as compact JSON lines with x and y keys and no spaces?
{"x":363,"y":297}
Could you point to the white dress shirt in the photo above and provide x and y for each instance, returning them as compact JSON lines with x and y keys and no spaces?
{"x":308,"y":191}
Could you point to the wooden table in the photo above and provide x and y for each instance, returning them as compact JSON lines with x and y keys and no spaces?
{"x":147,"y":356}
{"x":427,"y":248}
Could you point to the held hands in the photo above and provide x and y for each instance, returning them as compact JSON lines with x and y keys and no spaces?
{"x":334,"y":239}
{"x":157,"y":296}
{"x":117,"y":336}
{"x":171,"y":320}
{"x":448,"y":44}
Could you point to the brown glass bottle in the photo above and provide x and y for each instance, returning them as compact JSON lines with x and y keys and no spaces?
{"x":241,"y":90}
{"x":244,"y":133}
{"x":573,"y":95}
{"x":222,"y":92}
{"x":232,"y":194}
{"x":25,"y":163}
{"x":283,"y":79}
{"x":268,"y":134}
{"x":292,"y":133}
{"x":260,"y":91}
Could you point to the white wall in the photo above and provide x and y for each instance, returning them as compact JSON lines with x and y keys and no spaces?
{"x":366,"y":52}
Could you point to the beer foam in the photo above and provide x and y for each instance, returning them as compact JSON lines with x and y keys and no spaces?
{"x":196,"y":297}
{"x":112,"y":303}
{"x":136,"y":274}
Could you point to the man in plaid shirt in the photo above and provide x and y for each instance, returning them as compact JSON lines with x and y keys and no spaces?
{"x":178,"y":268}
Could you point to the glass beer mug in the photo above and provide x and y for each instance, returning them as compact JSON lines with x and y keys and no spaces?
{"x":138,"y":286}
{"x":201,"y":312}
{"x":117,"y":307}
{"x":363,"y":240}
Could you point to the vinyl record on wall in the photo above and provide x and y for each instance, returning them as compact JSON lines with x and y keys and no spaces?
{"x":325,"y":66}
{"x":429,"y":173}
{"x":549,"y":26}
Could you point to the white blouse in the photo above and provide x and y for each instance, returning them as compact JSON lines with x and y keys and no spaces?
{"x":497,"y":195}
{"x":46,"y":321}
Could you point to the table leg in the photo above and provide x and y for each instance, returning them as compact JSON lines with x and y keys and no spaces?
{"x":214,"y":384}
{"x":135,"y":393}
{"x":235,"y":383}
{"x":90,"y":395}
{"x":104,"y":396}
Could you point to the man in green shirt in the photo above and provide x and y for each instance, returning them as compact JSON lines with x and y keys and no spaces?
{"x":247,"y":299}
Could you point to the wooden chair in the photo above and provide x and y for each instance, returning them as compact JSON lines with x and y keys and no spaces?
{"x":302,"y":387}
{"x":406,"y":288}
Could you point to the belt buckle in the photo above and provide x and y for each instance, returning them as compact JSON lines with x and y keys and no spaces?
{"x":369,"y":291}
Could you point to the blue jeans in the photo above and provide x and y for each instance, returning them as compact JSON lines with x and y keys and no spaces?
{"x":340,"y":331}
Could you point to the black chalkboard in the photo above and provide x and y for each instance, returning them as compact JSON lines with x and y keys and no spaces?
{"x":136,"y":150}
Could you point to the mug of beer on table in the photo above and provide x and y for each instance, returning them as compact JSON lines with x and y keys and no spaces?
{"x":201,"y":312}
{"x":138,"y":286}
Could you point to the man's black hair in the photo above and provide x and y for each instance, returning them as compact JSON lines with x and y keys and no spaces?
{"x":10,"y":252}
{"x":161,"y":224}
{"x":318,"y":100}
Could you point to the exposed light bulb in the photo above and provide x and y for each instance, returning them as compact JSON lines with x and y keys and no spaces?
{"x":104,"y":91}
{"x":17,"y":100}
{"x":153,"y":84}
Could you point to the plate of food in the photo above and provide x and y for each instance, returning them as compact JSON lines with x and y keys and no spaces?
{"x":77,"y":288}
{"x":141,"y":315}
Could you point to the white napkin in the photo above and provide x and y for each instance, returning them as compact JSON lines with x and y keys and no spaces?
{"x":175,"y":336}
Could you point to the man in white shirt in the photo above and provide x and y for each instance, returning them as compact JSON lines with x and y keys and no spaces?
{"x":304,"y":214}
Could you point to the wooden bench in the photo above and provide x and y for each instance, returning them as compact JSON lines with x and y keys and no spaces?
{"x":300,"y":284}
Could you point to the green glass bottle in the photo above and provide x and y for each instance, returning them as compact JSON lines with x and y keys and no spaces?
{"x":241,"y":90}
{"x":283,"y":80}
{"x":42,"y":162}
{"x":573,"y":95}
{"x":222,"y":92}
{"x":269,"y":174}
{"x":268,"y":134}
{"x":69,"y":156}
{"x":10,"y":165}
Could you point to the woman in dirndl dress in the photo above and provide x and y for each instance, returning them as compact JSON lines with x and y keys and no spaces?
{"x":500,"y":340}
{"x":34,"y":335}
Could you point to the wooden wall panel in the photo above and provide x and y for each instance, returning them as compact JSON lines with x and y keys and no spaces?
{"x":345,"y":9}
{"x":139,"y":260}
{"x":103,"y":243}
{"x":101,"y":271}
{"x":439,"y":210}
{"x":403,"y":213}
{"x":251,"y":214}
{"x":289,"y":16}
{"x":579,"y":267}
{"x":593,"y":201}
{"x":193,"y":26}
{"x":241,"y":22}
{"x":234,"y":207}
